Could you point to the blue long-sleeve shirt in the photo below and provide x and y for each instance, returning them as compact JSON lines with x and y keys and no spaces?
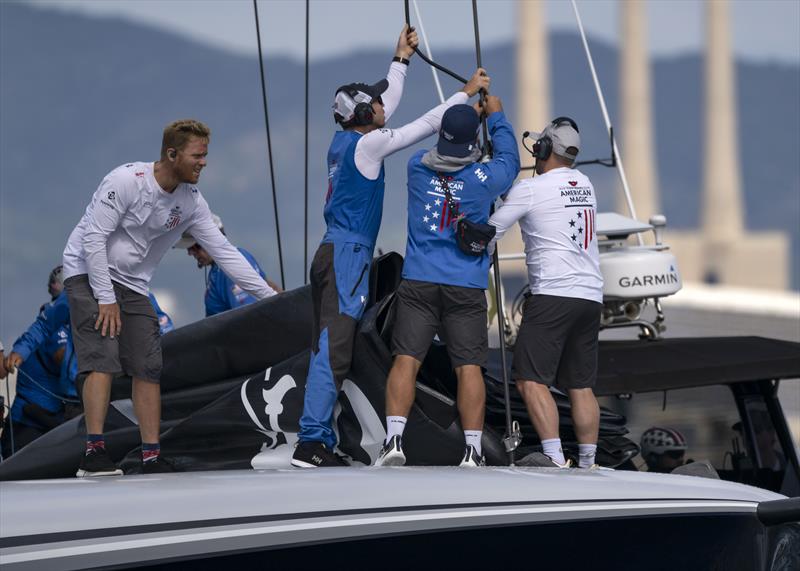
{"x":432,"y":254}
{"x":223,"y":294}
{"x":41,"y":380}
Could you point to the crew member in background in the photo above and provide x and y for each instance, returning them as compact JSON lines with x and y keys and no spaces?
{"x":663,"y":449}
{"x":353,"y":207}
{"x":557,"y":342}
{"x":165,"y":324}
{"x":40,"y":392}
{"x":222,"y":293}
{"x":3,"y":372}
{"x":443,"y":288}
{"x":137,"y":214}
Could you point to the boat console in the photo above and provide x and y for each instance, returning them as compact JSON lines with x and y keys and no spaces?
{"x":635,"y":275}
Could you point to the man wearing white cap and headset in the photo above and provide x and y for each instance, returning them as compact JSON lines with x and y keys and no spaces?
{"x":557,"y":341}
{"x":222,"y":293}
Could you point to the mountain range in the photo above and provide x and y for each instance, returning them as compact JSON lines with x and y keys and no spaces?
{"x":81,"y":95}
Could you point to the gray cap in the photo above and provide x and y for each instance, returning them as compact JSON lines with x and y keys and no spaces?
{"x":564,"y":134}
{"x":187,"y":240}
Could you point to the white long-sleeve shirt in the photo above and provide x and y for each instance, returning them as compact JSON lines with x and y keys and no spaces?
{"x":376,"y":145}
{"x":132,"y":222}
{"x":556,"y":213}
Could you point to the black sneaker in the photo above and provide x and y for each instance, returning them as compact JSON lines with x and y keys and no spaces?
{"x":315,"y":455}
{"x":97,"y":462}
{"x":471,"y":458}
{"x":392,"y":453}
{"x":160,"y":465}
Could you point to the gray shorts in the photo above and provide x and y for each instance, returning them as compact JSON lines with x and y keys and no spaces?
{"x":458,"y":314}
{"x":557,"y":342}
{"x":135,"y":351}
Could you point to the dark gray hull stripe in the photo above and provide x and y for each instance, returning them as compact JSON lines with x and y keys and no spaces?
{"x":44,"y":538}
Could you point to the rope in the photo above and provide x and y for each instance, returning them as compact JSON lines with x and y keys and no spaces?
{"x":428,"y":48}
{"x":428,"y":60}
{"x":496,"y":265}
{"x":63,"y":399}
{"x":269,"y":144}
{"x":10,"y":420}
{"x":305,"y":214}
{"x":626,"y":189}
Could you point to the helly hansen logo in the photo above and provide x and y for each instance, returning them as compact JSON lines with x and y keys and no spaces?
{"x":480,"y":174}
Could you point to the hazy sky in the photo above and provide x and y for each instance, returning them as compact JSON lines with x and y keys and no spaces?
{"x":762,"y":29}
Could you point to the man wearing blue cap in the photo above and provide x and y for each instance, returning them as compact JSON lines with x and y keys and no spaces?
{"x":353,"y":207}
{"x":450,"y":193}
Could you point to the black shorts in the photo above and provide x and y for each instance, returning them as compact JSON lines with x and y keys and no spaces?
{"x":136,"y":351}
{"x":457,"y":313}
{"x":557,"y":342}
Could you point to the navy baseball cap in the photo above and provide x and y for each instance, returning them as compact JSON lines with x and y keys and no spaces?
{"x":458,"y":135}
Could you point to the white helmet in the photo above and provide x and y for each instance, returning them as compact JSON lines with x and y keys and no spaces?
{"x":187,"y":240}
{"x":658,"y":441}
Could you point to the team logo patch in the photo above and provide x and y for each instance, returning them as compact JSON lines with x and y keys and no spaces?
{"x":573,"y":182}
{"x":112,"y":195}
{"x":174,"y":218}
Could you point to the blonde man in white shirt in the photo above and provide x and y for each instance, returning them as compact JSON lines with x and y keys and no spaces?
{"x":137,"y":214}
{"x":557,"y":341}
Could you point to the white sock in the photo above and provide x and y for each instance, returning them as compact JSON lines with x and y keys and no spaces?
{"x":473,"y":438}
{"x":394,"y":427}
{"x":552,"y":448}
{"x":586,"y":454}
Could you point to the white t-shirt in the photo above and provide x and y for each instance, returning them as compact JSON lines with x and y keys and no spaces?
{"x":132,"y":222}
{"x":376,"y":145}
{"x":556,"y":213}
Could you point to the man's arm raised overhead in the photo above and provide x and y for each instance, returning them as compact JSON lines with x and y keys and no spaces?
{"x":375,"y":146}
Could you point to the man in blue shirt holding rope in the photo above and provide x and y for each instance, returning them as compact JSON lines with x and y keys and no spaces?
{"x":445,"y":274}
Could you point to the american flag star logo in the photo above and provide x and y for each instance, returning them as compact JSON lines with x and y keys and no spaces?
{"x":174,"y":218}
{"x":581,"y":227}
{"x":438,"y":215}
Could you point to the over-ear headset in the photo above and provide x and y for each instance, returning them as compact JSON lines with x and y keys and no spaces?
{"x":363,"y":112}
{"x":543,"y":147}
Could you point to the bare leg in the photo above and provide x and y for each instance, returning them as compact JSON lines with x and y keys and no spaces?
{"x":400,"y":386}
{"x":96,"y":394}
{"x":147,"y":405}
{"x":585,"y":415}
{"x":541,"y":408}
{"x":471,"y":397}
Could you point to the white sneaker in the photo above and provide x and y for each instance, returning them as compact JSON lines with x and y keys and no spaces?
{"x":391,"y":453}
{"x":471,"y":458}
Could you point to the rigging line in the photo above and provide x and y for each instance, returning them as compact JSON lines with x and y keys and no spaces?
{"x":430,"y":53}
{"x":305,"y":203}
{"x":428,"y":60}
{"x":269,"y":144}
{"x":498,"y":282}
{"x":486,"y":144}
{"x":65,"y":400}
{"x":620,"y":169}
